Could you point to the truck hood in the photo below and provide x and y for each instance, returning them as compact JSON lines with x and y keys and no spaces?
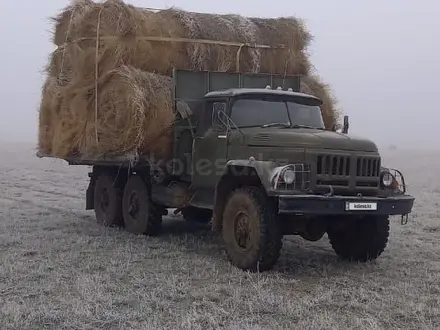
{"x":306,"y":138}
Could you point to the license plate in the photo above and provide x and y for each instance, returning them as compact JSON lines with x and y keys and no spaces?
{"x":356,"y":206}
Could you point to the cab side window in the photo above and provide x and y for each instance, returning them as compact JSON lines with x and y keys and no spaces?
{"x":208,"y":116}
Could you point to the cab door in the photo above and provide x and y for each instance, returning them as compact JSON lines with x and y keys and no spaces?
{"x":210,"y":146}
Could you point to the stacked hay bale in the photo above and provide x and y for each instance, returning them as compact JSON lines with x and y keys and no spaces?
{"x":108,"y":89}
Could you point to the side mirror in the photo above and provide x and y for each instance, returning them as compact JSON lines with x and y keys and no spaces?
{"x":346,"y":125}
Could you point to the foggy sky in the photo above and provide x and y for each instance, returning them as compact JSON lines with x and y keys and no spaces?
{"x":382,"y":59}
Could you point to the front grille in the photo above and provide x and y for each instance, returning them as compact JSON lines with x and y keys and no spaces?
{"x":368,"y":166}
{"x":345,"y":171}
{"x":333,"y":165}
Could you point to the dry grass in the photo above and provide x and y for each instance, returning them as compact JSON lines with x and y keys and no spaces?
{"x":61,"y":270}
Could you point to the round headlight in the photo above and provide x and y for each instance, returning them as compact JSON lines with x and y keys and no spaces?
{"x":387,"y":179}
{"x":289,"y":176}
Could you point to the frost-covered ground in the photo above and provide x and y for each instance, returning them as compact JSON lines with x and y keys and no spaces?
{"x":61,"y":270}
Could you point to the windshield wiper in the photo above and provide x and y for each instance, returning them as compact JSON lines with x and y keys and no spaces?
{"x":306,"y":126}
{"x":276,"y":124}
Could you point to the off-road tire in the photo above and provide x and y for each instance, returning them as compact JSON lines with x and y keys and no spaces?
{"x":108,"y":201}
{"x":261,"y":214}
{"x":362,"y":239}
{"x":194,"y":214}
{"x":140,"y":214}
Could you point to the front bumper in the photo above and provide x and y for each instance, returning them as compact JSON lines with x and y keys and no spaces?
{"x":340,"y":205}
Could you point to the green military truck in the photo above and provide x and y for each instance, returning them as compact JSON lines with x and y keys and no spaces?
{"x":258,"y":163}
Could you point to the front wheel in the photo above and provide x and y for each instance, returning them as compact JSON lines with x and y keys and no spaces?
{"x":250,"y":230}
{"x":360,"y":239}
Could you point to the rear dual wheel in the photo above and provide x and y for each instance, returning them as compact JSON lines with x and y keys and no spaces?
{"x":128,"y":206}
{"x":141,"y":216}
{"x":108,"y":201}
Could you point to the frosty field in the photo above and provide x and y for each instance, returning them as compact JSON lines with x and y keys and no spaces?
{"x":61,"y":270}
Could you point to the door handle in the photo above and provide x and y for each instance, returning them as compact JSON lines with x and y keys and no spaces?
{"x":221,"y":136}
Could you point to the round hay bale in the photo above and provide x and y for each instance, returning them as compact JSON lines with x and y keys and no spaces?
{"x":64,"y":62}
{"x":230,"y":28}
{"x":238,"y":29}
{"x":69,"y":19}
{"x":135,"y":114}
{"x":67,"y":126}
{"x":49,"y":107}
{"x":122,"y":28}
{"x":291,"y":32}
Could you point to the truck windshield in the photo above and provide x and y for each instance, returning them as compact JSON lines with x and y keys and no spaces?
{"x":257,"y":112}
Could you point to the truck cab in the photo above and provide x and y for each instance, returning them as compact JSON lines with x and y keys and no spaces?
{"x":258,"y":163}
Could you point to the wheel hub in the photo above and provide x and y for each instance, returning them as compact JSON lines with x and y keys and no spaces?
{"x":243,"y":231}
{"x":104,"y":200}
{"x":134,"y":206}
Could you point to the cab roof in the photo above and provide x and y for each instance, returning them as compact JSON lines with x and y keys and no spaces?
{"x":232,"y":92}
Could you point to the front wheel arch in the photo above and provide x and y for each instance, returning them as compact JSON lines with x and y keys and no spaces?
{"x":228,"y":182}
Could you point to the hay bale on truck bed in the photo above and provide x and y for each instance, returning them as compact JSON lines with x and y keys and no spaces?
{"x":107,"y":49}
{"x":134,"y":114}
{"x":124,"y":31}
{"x":50,"y":98}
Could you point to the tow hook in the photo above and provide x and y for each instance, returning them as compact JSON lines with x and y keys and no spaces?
{"x":404,"y":219}
{"x":331,"y":192}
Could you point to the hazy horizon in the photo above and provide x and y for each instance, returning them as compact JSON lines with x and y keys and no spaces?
{"x":381,"y":60}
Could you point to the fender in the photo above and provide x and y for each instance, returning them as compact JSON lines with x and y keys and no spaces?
{"x":241,"y":167}
{"x":249,"y":170}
